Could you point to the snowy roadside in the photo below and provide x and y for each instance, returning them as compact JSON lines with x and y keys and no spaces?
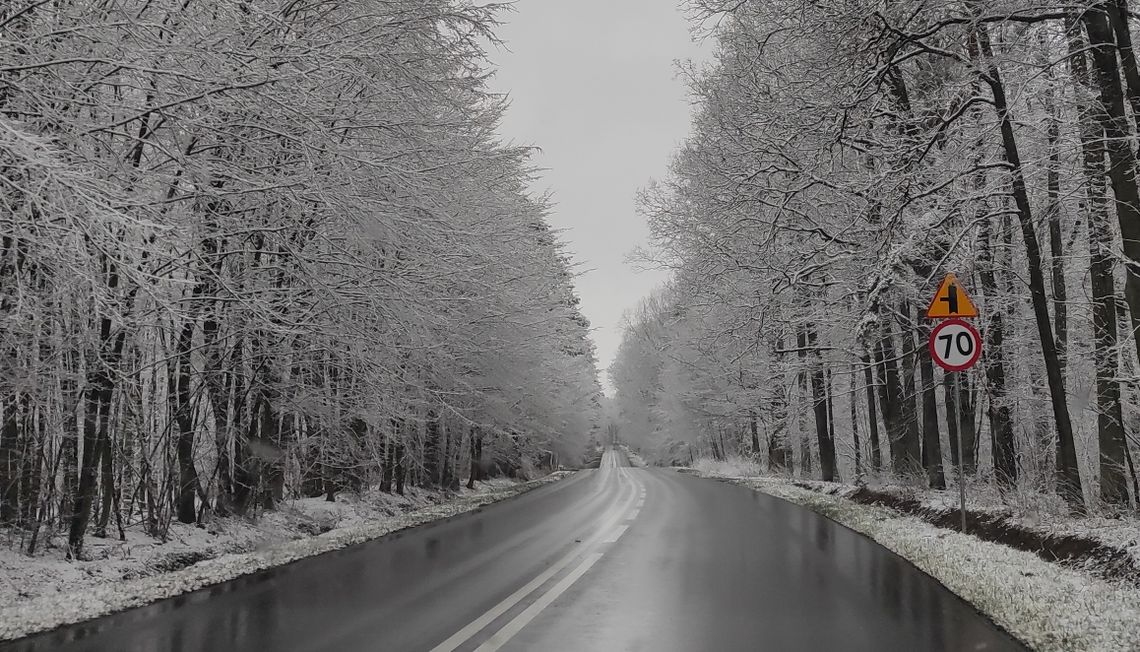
{"x":1041,"y":524}
{"x":635,"y":460}
{"x":1048,"y":606}
{"x":46,"y":591}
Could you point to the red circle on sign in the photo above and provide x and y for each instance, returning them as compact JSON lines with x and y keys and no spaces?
{"x":973,"y":356}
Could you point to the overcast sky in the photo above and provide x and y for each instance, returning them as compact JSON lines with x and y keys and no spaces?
{"x":593,"y":83}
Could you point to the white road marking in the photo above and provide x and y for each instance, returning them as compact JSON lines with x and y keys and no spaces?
{"x":508,"y":603}
{"x":515,"y":626}
{"x":504,"y":606}
{"x":616,"y":534}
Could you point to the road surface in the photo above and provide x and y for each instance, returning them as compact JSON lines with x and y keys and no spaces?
{"x":611,"y":559}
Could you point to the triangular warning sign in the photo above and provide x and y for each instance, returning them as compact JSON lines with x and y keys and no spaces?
{"x":951,"y":301}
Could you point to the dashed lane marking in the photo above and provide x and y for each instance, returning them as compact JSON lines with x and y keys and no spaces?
{"x":515,"y":626}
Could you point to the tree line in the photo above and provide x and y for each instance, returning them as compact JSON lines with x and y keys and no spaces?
{"x":843,"y":158}
{"x":253,"y":249}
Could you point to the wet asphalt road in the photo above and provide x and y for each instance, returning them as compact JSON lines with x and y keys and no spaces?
{"x":612,"y":559}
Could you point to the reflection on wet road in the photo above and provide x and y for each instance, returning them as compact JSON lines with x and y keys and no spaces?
{"x":612,"y":559}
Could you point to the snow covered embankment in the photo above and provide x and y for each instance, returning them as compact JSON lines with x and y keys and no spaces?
{"x":44,"y":592}
{"x":1048,"y":606}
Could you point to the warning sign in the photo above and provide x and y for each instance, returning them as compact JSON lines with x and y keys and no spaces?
{"x":951,"y":301}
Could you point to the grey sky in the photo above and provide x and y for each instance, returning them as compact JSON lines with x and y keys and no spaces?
{"x":593,"y":83}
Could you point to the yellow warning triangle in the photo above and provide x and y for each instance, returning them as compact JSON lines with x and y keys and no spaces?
{"x":951,"y":300}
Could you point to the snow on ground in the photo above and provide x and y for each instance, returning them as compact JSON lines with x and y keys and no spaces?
{"x":635,"y":460}
{"x":734,"y":467}
{"x":1048,"y":606}
{"x":1046,"y":514}
{"x":46,"y":591}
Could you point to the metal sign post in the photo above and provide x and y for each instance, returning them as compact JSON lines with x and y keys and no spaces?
{"x":961,"y":459}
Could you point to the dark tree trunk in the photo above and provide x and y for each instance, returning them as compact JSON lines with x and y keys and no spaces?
{"x":1056,"y":246}
{"x":107,"y":500}
{"x":1001,"y":426}
{"x":218,"y":383}
{"x":829,"y":391}
{"x":967,"y":423}
{"x":1110,"y":418}
{"x":872,"y":414}
{"x":9,"y":459}
{"x":476,"y":457}
{"x":400,"y":467}
{"x":853,"y":400}
{"x":890,"y":390}
{"x":69,"y":443}
{"x":1118,"y":17}
{"x":432,"y":451}
{"x":951,"y":426}
{"x":754,"y":431}
{"x":1122,"y":160}
{"x":931,"y":437}
{"x":820,"y":399}
{"x":912,"y":441}
{"x":96,"y":428}
{"x":1068,"y":472}
{"x":34,"y":459}
{"x":1056,"y":243}
{"x":184,"y":418}
{"x":801,"y":380}
{"x":388,"y":474}
{"x":779,"y":453}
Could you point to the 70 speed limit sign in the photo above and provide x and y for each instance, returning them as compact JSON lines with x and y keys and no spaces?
{"x":955,"y":345}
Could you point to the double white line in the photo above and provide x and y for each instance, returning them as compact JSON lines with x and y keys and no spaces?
{"x":608,"y":533}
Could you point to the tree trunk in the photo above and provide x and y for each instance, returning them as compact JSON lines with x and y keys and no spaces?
{"x":820,"y":399}
{"x":872,"y":413}
{"x":69,"y":438}
{"x":432,"y":451}
{"x":912,"y":442}
{"x":951,"y":422}
{"x":1118,"y":17}
{"x":400,"y":467}
{"x":1001,"y":425}
{"x":9,"y":458}
{"x":890,"y":390}
{"x":1068,"y":473}
{"x":476,"y":457}
{"x":853,"y":400}
{"x":107,"y":489}
{"x":1110,"y":418}
{"x":754,"y":431}
{"x":779,"y":453}
{"x":931,"y":437}
{"x":1056,"y":243}
{"x":966,"y":421}
{"x":184,"y":418}
{"x":96,"y":426}
{"x":1122,"y":160}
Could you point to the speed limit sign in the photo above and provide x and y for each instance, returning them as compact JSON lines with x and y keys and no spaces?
{"x":955,"y":345}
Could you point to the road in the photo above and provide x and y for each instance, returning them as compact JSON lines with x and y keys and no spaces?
{"x":611,"y":559}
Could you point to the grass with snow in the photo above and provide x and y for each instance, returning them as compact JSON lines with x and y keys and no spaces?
{"x":734,"y":466}
{"x":1048,"y":606}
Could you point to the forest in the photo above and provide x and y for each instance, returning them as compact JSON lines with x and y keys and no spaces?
{"x":845,"y":156}
{"x":260,"y":249}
